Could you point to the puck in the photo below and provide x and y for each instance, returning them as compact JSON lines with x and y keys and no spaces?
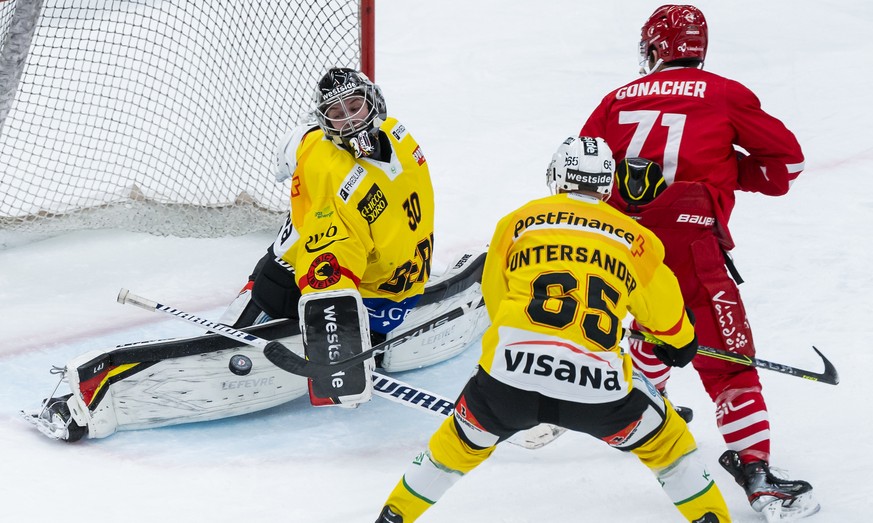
{"x":240,"y":365}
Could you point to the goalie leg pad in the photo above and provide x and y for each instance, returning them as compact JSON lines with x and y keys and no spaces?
{"x":182,"y":380}
{"x":335,"y":327}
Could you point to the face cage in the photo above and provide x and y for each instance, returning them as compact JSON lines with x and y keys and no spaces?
{"x":352,"y":122}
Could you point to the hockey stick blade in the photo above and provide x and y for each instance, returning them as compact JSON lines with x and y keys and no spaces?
{"x":829,"y":376}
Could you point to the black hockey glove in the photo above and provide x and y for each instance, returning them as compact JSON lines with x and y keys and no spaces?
{"x":676,"y":356}
{"x":275,"y":290}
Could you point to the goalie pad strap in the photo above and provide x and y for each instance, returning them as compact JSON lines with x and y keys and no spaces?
{"x":335,"y":327}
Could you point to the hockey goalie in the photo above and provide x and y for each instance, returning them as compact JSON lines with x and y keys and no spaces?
{"x":201,"y":378}
{"x":349,"y":267}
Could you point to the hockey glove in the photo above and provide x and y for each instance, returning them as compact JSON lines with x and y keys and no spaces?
{"x":274,"y":289}
{"x":676,"y":356}
{"x":681,"y":356}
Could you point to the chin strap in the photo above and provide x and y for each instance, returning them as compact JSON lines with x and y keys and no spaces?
{"x":646,"y":70}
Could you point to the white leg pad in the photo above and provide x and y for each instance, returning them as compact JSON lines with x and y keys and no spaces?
{"x":440,"y":343}
{"x":173,"y":390}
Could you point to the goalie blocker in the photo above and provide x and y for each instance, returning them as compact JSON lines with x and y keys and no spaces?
{"x":335,"y":327}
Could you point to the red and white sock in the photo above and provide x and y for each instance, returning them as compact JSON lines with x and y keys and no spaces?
{"x":744,"y":423}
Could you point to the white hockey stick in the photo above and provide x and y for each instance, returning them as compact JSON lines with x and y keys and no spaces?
{"x":383,"y":386}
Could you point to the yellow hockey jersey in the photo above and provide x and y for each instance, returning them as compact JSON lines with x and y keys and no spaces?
{"x":561,"y":274}
{"x":358,"y":222}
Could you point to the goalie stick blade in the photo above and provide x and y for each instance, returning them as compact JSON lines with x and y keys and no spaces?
{"x":289,"y":361}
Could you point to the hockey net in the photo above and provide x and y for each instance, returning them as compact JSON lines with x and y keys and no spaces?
{"x":159,"y":115}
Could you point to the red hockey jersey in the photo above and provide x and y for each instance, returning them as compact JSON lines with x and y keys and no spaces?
{"x":689,"y":120}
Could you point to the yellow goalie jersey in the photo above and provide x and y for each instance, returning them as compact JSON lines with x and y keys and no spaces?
{"x":360,"y":223}
{"x":560,"y":276}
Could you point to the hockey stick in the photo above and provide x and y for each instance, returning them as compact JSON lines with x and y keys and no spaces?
{"x":395,"y":390}
{"x":383,"y":386}
{"x":829,"y":376}
{"x":280,"y":355}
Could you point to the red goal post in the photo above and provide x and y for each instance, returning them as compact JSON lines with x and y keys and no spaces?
{"x":160,"y":117}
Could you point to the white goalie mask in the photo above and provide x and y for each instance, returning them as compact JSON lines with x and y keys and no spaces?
{"x":582,"y":164}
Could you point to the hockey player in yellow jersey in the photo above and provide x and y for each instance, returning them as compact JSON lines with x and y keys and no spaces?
{"x":355,"y":252}
{"x":561,"y":274}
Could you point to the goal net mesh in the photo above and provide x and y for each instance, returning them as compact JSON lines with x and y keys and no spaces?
{"x":160,"y":116}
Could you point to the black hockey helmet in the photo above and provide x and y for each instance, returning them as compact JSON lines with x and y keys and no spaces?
{"x":349,"y":109}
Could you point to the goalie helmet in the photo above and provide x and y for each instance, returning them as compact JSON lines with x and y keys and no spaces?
{"x":677,"y":32}
{"x":582,"y":164}
{"x":349,"y":108}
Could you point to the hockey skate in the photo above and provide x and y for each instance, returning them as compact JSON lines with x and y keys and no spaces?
{"x":686,"y":413}
{"x":778,"y":499}
{"x":388,"y":516}
{"x":54,"y":420}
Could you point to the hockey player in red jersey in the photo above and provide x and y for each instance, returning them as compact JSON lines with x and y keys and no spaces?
{"x":712,"y":138}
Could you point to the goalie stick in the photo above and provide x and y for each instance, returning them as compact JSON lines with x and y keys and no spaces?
{"x":383,"y":386}
{"x":829,"y":375}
